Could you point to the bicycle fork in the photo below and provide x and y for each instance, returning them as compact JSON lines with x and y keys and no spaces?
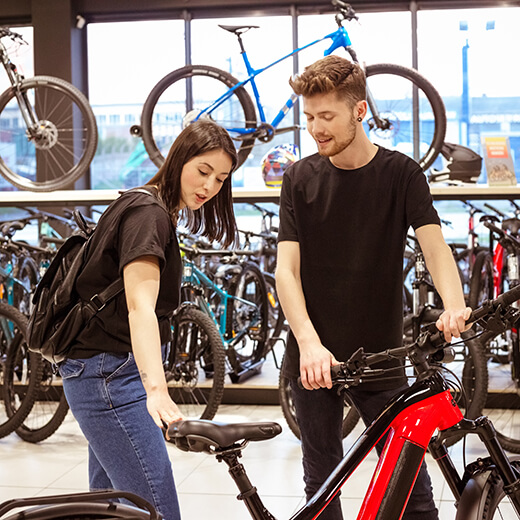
{"x":498,"y":459}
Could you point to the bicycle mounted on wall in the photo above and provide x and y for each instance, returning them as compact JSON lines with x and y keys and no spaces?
{"x":413,"y":118}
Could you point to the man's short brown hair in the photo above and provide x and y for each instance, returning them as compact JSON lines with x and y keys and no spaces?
{"x":332,"y":74}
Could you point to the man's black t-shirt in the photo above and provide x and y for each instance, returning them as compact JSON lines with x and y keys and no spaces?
{"x":351,"y":227}
{"x":133,"y":226}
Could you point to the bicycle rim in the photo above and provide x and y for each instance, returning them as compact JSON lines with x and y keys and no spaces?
{"x":183,"y":96}
{"x":64,"y":140}
{"x":393,"y":88}
{"x":195,"y":370}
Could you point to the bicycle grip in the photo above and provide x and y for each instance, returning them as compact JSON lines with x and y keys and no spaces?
{"x":504,"y":299}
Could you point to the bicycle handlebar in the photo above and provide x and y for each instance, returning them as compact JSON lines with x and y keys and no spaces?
{"x":358,"y":365}
{"x":345,"y":9}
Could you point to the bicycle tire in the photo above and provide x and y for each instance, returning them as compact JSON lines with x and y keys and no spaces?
{"x":49,"y":410}
{"x":21,"y":382}
{"x":350,"y":415}
{"x":196,"y":349}
{"x":469,"y":366}
{"x":63,"y":153}
{"x":484,"y":498}
{"x":160,"y":126}
{"x":28,"y":275}
{"x":382,"y":82}
{"x":481,"y":281}
{"x":276,"y":315}
{"x":247,"y":328}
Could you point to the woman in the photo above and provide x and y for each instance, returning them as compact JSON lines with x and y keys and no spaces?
{"x":114,"y":379}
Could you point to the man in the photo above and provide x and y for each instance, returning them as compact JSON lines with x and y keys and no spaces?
{"x":344,"y":216}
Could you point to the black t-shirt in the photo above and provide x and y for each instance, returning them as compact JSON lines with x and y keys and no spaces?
{"x":133,"y":226}
{"x":351,"y":227}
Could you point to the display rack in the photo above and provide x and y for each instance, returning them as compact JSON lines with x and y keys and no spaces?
{"x":104,"y":197}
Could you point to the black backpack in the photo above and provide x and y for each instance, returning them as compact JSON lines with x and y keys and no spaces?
{"x":59,"y":314}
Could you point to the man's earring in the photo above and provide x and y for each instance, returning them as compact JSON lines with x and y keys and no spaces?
{"x":359,"y":119}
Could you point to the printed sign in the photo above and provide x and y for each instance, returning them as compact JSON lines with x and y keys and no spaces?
{"x":499,"y":163}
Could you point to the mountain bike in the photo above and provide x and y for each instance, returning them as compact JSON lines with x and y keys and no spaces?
{"x":235,"y":297}
{"x":405,"y":109}
{"x":49,"y":133}
{"x":489,"y":487}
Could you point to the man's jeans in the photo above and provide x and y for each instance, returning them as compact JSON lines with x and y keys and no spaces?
{"x":319,"y":414}
{"x":127,"y":450}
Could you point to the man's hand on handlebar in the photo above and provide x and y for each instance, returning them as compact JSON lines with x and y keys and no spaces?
{"x":315,"y":363}
{"x":452,"y":323}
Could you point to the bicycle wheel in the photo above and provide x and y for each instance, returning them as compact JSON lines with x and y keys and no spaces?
{"x":187,"y":93}
{"x":393,"y":89}
{"x":195,"y":369}
{"x":350,"y":414}
{"x":58,"y":148}
{"x":247,"y":319}
{"x":21,"y":380}
{"x":485,"y":498}
{"x":469,"y":366}
{"x":49,"y":409}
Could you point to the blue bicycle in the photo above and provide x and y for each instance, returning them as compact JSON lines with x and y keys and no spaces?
{"x":406,"y":111}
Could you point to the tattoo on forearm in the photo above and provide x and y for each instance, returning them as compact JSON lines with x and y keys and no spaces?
{"x":144,"y":376}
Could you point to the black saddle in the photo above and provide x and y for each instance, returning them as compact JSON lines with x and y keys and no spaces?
{"x":210,"y":436}
{"x":238,"y":29}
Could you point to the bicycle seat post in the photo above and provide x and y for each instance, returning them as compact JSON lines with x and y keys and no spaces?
{"x":248,"y":492}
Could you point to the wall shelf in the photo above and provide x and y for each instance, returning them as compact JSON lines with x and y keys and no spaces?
{"x":104,"y":197}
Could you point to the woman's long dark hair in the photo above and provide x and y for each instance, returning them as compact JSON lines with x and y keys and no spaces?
{"x":215,"y":219}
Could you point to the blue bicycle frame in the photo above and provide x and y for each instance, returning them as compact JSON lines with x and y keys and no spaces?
{"x":195,"y":278}
{"x":340,"y":39}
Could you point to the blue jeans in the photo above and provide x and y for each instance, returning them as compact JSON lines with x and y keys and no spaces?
{"x":320,"y":414}
{"x":127,"y":450}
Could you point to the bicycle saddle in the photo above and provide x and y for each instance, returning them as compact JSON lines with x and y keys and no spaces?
{"x":209,"y":436}
{"x":238,"y":29}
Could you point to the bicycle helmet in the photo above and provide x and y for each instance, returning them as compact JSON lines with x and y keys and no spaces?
{"x":276,"y":161}
{"x":463,"y":165}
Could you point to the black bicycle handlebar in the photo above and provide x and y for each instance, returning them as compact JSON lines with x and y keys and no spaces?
{"x":429,"y":342}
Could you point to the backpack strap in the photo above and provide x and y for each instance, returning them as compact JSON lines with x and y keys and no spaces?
{"x":100,"y":300}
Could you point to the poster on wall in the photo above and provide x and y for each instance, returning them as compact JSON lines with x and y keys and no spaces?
{"x":499,"y":163}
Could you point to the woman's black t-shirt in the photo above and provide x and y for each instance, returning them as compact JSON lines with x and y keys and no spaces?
{"x":133,"y":226}
{"x":351,"y":227}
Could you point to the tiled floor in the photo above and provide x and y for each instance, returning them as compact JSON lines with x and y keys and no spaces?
{"x":59,"y":465}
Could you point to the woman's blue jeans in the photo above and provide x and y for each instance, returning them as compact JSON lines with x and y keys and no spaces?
{"x":320,"y":414}
{"x":127,"y":450}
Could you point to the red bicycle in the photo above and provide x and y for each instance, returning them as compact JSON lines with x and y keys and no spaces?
{"x":409,"y":422}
